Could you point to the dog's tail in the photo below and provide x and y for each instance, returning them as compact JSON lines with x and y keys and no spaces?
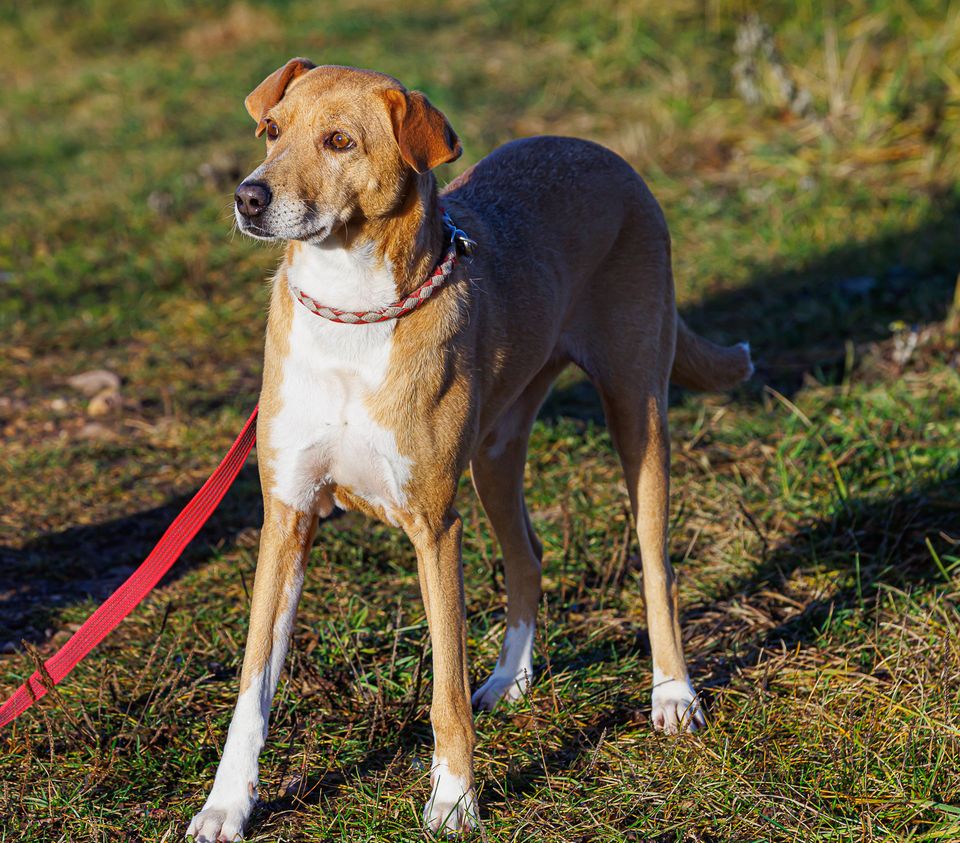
{"x":702,"y":365}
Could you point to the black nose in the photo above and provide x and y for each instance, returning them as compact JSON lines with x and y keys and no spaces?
{"x":252,"y":198}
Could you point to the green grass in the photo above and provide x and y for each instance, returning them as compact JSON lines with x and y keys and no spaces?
{"x":815,"y":512}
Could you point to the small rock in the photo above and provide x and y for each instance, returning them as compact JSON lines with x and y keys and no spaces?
{"x":94,"y":381}
{"x":905,"y":342}
{"x":95,"y":432}
{"x":60,"y":638}
{"x":58,"y":405}
{"x":760,"y":195}
{"x":104,"y":403}
{"x":160,"y":202}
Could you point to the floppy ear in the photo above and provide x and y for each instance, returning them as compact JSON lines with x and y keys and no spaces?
{"x":271,"y":90}
{"x":423,"y":134}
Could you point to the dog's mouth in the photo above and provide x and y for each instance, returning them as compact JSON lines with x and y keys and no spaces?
{"x":316,"y":237}
{"x":258,"y":230}
{"x":254,"y":229}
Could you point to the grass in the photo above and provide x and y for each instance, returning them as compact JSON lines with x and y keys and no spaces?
{"x":815,"y":515}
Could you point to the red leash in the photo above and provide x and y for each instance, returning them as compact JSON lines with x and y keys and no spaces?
{"x":123,"y":601}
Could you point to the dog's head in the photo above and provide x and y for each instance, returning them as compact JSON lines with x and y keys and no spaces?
{"x":342,"y":145}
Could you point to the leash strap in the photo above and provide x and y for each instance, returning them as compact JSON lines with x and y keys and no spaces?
{"x":123,"y":601}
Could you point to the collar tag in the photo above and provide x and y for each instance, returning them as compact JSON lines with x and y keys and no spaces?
{"x":458,"y":237}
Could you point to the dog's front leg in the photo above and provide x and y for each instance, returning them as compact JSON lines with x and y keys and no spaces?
{"x":284,"y":546}
{"x":452,"y":805}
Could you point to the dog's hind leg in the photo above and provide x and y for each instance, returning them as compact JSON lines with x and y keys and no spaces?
{"x":636,"y":407}
{"x":497,"y":470}
{"x":284,"y":546}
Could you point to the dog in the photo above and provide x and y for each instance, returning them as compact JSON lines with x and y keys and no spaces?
{"x":413,"y":333}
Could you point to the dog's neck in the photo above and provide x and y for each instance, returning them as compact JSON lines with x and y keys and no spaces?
{"x":374,"y":261}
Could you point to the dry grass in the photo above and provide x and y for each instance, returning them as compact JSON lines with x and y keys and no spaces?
{"x":815,"y":515}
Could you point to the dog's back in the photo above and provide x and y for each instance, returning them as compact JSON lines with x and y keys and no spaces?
{"x":572,"y":238}
{"x":554,"y":206}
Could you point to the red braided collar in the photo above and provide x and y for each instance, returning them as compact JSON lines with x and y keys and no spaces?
{"x":433,"y":282}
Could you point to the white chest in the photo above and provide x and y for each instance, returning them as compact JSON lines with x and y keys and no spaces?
{"x":323,"y":433}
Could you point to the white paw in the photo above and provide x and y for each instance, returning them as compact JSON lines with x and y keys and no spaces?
{"x":501,"y":687}
{"x":452,"y":806}
{"x":220,"y":823}
{"x":676,"y":707}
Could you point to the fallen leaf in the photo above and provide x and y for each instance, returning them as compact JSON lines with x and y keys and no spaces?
{"x":94,"y":381}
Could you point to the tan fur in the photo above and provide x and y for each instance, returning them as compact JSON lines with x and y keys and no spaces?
{"x":424,"y":136}
{"x":271,"y":90}
{"x":573,"y":265}
{"x":284,"y":544}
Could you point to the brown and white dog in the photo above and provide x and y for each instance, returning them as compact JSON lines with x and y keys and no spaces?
{"x":572,"y":265}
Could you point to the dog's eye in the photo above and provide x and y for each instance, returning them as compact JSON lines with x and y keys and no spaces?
{"x":340,"y":141}
{"x":273,"y":130}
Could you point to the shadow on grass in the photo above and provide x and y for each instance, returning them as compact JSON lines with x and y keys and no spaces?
{"x":799,"y":321}
{"x":59,"y":569}
{"x":871,"y":544}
